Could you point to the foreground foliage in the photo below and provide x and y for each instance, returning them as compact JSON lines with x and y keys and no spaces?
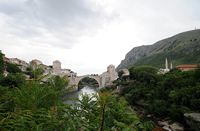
{"x":37,"y":105}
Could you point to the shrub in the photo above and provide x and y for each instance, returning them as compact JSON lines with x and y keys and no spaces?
{"x":12,"y":68}
{"x":13,"y":80}
{"x":159,"y":107}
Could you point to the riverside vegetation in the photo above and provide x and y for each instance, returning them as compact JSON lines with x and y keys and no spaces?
{"x":164,"y":96}
{"x":38,"y":106}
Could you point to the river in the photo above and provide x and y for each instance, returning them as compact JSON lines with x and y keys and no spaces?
{"x":69,"y":98}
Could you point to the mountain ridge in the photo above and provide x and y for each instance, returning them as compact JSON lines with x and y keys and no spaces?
{"x":182,"y":48}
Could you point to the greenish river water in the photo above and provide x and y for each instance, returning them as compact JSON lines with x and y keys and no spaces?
{"x":88,"y":90}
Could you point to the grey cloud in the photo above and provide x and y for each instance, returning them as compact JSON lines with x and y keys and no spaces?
{"x":10,"y":7}
{"x":62,"y":12}
{"x":65,"y":20}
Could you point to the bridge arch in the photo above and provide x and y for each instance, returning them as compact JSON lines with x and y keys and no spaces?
{"x":96,"y":78}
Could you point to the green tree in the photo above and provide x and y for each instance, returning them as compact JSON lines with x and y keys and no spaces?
{"x":146,"y":68}
{"x":59,"y":83}
{"x":12,"y":68}
{"x":35,"y":106}
{"x":117,"y":115}
{"x":13,"y":80}
{"x":1,"y":63}
{"x":38,"y":73}
{"x":168,"y":95}
{"x":35,"y":73}
{"x":197,"y":74}
{"x":33,"y":96}
{"x":145,"y":74}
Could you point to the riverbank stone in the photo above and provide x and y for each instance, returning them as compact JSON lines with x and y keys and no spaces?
{"x":168,"y":126}
{"x":193,"y":120}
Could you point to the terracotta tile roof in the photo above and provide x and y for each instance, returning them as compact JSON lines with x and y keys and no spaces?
{"x":187,"y":66}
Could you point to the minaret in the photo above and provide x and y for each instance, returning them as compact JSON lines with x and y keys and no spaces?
{"x":171,"y":66}
{"x":166,"y":64}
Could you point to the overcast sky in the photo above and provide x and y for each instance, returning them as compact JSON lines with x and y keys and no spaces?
{"x":88,"y":35}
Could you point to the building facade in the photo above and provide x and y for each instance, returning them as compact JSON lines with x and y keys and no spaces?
{"x":109,"y":76}
{"x":187,"y":67}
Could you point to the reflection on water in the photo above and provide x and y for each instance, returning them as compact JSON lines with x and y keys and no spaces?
{"x":69,"y":98}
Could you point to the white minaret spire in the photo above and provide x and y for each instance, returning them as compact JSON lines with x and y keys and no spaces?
{"x":171,"y":66}
{"x":166,"y":64}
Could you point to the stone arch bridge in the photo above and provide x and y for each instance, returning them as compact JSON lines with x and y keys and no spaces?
{"x":74,"y":81}
{"x":105,"y":79}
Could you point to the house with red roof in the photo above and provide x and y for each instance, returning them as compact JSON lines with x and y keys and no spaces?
{"x":187,"y":67}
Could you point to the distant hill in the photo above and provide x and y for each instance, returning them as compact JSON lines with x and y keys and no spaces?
{"x":183,"y":48}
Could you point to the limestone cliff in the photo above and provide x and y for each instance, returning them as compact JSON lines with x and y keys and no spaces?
{"x":183,"y":48}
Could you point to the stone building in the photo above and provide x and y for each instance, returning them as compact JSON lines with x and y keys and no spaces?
{"x":57,"y":70}
{"x":163,"y":71}
{"x":35,"y":63}
{"x":187,"y":67}
{"x":57,"y":67}
{"x":125,"y":72}
{"x":68,"y":72}
{"x":47,"y":69}
{"x":20,"y":63}
{"x":109,"y":76}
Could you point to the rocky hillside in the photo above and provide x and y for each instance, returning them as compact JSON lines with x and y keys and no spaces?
{"x":183,"y":48}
